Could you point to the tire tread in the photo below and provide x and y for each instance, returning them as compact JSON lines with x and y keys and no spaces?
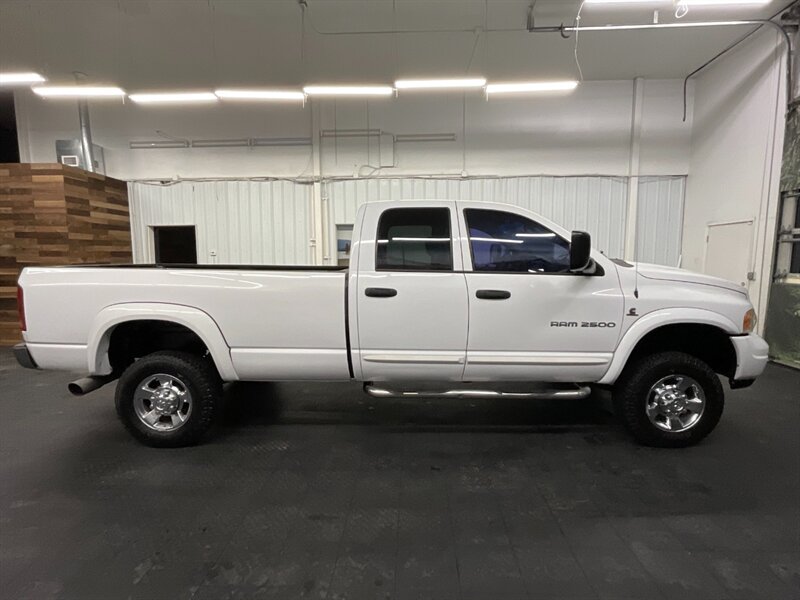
{"x":633,"y":385}
{"x":206,"y":396}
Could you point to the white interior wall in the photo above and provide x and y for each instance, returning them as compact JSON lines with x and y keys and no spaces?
{"x":272,"y":222}
{"x":236,"y":222}
{"x":585,"y":132}
{"x":734,"y":168}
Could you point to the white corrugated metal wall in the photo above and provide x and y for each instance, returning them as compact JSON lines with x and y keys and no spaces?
{"x":593,"y":204}
{"x":270,"y":222}
{"x":660,"y":222}
{"x":238,"y":222}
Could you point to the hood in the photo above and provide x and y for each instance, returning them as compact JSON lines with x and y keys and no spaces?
{"x":682,"y":275}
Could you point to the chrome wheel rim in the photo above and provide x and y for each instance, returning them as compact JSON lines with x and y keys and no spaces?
{"x":162,"y":402}
{"x":675,"y":403}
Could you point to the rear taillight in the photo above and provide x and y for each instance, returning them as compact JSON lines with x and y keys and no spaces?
{"x":21,"y":308}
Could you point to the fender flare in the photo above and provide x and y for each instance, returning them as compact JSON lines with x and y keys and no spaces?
{"x":658,"y":318}
{"x":193,"y":319}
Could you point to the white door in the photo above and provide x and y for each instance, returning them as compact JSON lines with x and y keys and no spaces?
{"x":411,"y":294}
{"x":529,"y":318}
{"x":728,"y":250}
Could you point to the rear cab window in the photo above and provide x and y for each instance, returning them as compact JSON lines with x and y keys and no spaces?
{"x":414,"y":239}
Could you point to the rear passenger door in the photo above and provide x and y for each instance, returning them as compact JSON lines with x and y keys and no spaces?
{"x":411,"y":293}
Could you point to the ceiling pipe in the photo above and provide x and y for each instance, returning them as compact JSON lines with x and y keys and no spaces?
{"x":565,"y":30}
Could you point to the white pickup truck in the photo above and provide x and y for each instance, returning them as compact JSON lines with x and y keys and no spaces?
{"x":471,"y":295}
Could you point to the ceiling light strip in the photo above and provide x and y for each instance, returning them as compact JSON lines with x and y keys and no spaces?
{"x":515,"y":87}
{"x":173,"y":97}
{"x":78,"y":91}
{"x":20,"y":78}
{"x":349,"y":90}
{"x":260,"y":95}
{"x":439,"y":84}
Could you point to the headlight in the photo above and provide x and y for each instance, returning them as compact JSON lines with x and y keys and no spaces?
{"x":749,"y":321}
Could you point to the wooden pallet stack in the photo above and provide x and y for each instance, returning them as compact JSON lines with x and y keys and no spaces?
{"x":51,"y":214}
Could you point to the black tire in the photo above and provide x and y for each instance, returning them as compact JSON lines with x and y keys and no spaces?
{"x":633,"y":388}
{"x":198,"y":376}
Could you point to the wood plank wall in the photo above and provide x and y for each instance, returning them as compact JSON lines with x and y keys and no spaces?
{"x":51,"y":214}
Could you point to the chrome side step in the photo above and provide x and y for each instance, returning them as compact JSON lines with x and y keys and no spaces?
{"x":575,"y":392}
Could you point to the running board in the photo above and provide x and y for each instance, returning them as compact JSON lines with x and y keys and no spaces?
{"x":575,"y":392}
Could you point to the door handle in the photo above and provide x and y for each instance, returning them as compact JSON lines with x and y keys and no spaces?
{"x":493,"y":294}
{"x":380,"y":292}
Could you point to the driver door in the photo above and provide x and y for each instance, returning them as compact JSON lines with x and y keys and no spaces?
{"x":530,"y":319}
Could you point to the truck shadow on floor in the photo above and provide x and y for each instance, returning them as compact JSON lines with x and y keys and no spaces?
{"x":251,"y":404}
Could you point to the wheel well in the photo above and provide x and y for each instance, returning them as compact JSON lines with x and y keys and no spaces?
{"x":706,"y":342}
{"x":134,"y":339}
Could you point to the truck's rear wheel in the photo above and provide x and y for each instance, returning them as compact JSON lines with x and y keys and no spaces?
{"x":670,"y":399}
{"x":169,"y":399}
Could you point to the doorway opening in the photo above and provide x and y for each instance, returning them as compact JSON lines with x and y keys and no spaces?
{"x":175,"y":244}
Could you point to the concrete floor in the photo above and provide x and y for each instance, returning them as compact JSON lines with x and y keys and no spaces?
{"x":319,"y":491}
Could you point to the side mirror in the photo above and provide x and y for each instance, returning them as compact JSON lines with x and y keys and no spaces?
{"x":579,"y":251}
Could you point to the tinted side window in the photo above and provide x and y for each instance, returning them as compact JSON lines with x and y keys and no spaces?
{"x":414,"y":239}
{"x":505,"y":242}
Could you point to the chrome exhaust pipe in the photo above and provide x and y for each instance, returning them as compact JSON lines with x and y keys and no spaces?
{"x":84,"y":385}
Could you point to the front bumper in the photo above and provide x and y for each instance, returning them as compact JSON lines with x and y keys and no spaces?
{"x":24,"y":357}
{"x":752,"y":353}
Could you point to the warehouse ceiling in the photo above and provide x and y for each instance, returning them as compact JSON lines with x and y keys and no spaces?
{"x":169,"y":44}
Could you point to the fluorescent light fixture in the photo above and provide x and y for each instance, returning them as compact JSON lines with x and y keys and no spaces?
{"x":531,"y":86}
{"x":439,"y":84}
{"x":20,"y":78}
{"x":348,"y":90}
{"x":260,"y":95}
{"x":173,"y":97}
{"x":535,"y":235}
{"x":78,"y":91}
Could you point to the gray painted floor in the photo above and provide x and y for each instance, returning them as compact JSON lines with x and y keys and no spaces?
{"x":318,"y":491}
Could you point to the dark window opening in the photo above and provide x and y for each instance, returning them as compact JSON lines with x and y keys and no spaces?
{"x":9,"y":140}
{"x":175,"y":245}
{"x":508,"y":243}
{"x":414,"y":239}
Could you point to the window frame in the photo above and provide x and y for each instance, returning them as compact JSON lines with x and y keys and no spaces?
{"x":379,"y":221}
{"x":598,"y":272}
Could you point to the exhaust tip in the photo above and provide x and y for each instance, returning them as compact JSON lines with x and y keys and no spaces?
{"x":83,"y":386}
{"x":75,"y":389}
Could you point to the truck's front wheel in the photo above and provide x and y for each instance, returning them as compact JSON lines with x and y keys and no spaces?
{"x":168,"y":399}
{"x":670,"y":399}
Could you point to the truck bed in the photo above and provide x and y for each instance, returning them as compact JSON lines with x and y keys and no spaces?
{"x":275,"y":321}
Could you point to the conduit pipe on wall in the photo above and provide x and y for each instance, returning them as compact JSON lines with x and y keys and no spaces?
{"x":564,"y":30}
